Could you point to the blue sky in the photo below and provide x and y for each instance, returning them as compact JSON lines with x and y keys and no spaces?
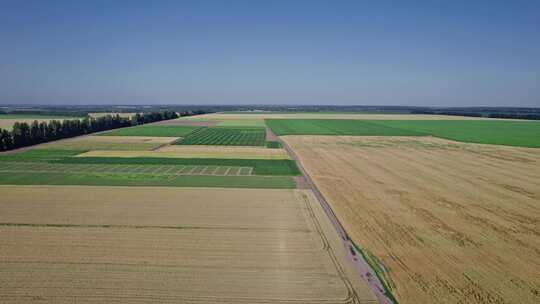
{"x":439,"y":53}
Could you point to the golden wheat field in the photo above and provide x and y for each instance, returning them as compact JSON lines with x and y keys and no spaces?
{"x":75,"y":244}
{"x":451,"y":222}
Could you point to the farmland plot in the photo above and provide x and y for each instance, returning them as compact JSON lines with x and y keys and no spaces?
{"x":92,"y":142}
{"x":327,"y":115}
{"x":167,"y":170}
{"x":450,"y":222}
{"x":226,"y":137}
{"x":134,"y":245}
{"x":497,"y":132}
{"x":154,"y":130}
{"x":196,"y":151}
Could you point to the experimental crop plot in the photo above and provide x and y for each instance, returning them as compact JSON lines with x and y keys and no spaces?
{"x":17,"y":167}
{"x":226,"y":137}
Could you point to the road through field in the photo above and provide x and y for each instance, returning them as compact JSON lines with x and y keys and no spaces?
{"x":450,"y":222}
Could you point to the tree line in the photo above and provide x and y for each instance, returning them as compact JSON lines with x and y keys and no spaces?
{"x":515,"y":116}
{"x":24,"y":134}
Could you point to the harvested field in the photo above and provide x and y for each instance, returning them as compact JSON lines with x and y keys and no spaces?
{"x":137,"y":143}
{"x":185,"y":151}
{"x":451,"y":222}
{"x":134,"y":245}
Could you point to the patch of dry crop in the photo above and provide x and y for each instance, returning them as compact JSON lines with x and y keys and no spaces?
{"x":451,"y":222}
{"x":192,"y":245}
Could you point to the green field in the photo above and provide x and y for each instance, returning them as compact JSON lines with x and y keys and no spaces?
{"x":39,"y":155}
{"x":283,"y":167}
{"x":273,"y":145}
{"x":96,"y":179}
{"x":500,"y":132}
{"x":224,"y":136}
{"x":152,"y":130}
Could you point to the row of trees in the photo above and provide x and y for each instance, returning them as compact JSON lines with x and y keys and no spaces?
{"x":515,"y":116}
{"x":24,"y":134}
{"x":531,"y":116}
{"x":470,"y":114}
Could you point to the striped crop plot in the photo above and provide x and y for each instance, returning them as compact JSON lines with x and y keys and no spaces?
{"x":224,"y":136}
{"x":173,"y":170}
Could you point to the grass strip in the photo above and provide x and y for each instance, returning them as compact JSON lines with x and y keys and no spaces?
{"x":281,"y":167}
{"x":40,"y":155}
{"x":101,"y":179}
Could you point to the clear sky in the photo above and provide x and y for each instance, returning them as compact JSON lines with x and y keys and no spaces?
{"x":440,"y":53}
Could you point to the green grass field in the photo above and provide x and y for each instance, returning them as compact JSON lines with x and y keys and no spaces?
{"x":333,"y":127}
{"x":499,"y":132}
{"x":282,"y":167}
{"x":152,"y":130}
{"x":39,"y":155}
{"x":95,"y":179}
{"x":225,"y":136}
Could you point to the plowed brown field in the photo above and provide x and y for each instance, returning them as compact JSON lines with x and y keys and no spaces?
{"x":450,"y":222}
{"x":72,"y":244}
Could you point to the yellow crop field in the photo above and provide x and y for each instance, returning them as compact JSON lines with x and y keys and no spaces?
{"x":170,"y":245}
{"x":185,"y":151}
{"x":450,"y":222}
